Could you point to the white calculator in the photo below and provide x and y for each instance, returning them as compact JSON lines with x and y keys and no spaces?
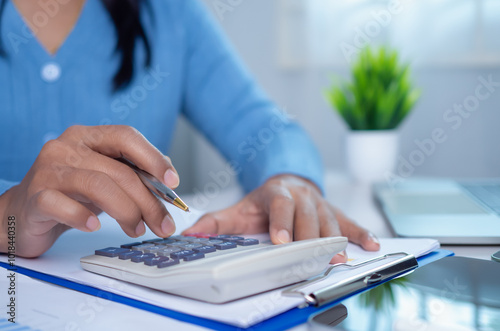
{"x":214,"y":268}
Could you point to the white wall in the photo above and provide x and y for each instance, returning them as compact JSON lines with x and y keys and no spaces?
{"x":473,"y":150}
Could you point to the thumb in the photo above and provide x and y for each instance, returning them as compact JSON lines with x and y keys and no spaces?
{"x":219,"y":222}
{"x":206,"y":224}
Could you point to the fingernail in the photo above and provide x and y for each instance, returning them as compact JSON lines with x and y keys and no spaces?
{"x":167,"y":226}
{"x":373,"y":238}
{"x":283,"y":236}
{"x":93,"y":223}
{"x":171,"y":178}
{"x":343,"y":254}
{"x":140,"y":229}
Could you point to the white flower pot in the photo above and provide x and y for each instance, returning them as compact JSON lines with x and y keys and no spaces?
{"x":371,"y":155}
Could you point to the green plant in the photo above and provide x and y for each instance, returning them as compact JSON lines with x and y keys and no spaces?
{"x":383,"y":297}
{"x":380,"y":94}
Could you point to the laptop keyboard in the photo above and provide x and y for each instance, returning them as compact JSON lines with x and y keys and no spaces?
{"x":487,"y":194}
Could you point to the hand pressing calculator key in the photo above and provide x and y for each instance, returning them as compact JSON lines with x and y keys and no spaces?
{"x":214,"y":268}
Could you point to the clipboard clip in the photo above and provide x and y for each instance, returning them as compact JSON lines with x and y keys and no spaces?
{"x":400,"y":264}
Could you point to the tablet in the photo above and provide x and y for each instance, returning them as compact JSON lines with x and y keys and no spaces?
{"x":453,"y":212}
{"x":454,"y":293}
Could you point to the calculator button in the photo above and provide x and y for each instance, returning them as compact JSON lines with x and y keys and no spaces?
{"x":153,"y":249}
{"x":187,"y":239}
{"x":155,"y":260}
{"x":221,"y":236}
{"x":214,"y":242}
{"x":225,"y":245}
{"x":167,"y":263}
{"x":205,"y":249}
{"x":247,"y":242}
{"x":152,"y":241}
{"x":142,"y":247}
{"x":195,"y":240}
{"x":168,"y":251}
{"x":193,"y":257}
{"x":128,"y":255}
{"x":131,"y":245}
{"x":181,"y":254}
{"x":191,"y":246}
{"x":233,"y":238}
{"x":111,"y":251}
{"x":200,"y":240}
{"x":182,"y":242}
{"x":142,"y":257}
{"x":165,"y":242}
{"x":177,"y":244}
{"x":177,"y":237}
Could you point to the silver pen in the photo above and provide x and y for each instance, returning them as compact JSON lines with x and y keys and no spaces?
{"x":157,"y":187}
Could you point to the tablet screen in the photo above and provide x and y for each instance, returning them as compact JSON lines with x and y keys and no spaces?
{"x":454,"y":293}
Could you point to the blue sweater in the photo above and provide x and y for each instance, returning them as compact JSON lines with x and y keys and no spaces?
{"x":194,"y":73}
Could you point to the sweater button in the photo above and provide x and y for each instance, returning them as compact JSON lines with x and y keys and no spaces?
{"x":51,"y":72}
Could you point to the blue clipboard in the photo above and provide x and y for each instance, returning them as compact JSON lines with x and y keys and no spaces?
{"x":286,"y":320}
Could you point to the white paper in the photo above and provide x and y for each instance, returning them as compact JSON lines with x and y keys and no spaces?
{"x":44,"y":306}
{"x":63,"y":260}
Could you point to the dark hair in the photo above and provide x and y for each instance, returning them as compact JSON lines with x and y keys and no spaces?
{"x":125,"y":15}
{"x":2,"y":6}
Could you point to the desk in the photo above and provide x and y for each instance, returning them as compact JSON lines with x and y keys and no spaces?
{"x":354,"y":199}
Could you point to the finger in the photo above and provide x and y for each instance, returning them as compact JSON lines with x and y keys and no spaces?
{"x":153,"y":211}
{"x":329,"y":227}
{"x":339,"y":258}
{"x":356,"y":234}
{"x":206,"y":224}
{"x":306,"y":224}
{"x":51,"y":205}
{"x":124,"y":141}
{"x":281,"y":210}
{"x":98,"y":188}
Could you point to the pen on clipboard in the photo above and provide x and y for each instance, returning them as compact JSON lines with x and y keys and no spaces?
{"x":157,"y":187}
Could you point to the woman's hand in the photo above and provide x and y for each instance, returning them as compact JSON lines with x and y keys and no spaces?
{"x":75,"y":177}
{"x":290,"y":208}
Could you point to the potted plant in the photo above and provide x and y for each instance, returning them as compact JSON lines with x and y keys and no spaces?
{"x":378,"y":98}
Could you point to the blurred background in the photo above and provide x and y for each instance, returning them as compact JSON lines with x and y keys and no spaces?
{"x":295,"y":47}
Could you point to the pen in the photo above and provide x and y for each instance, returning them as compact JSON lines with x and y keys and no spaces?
{"x":157,"y":187}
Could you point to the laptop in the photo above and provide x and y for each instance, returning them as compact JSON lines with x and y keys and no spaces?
{"x":453,"y":212}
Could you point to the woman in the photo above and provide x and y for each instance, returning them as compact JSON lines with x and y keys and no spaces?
{"x":87,"y":81}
